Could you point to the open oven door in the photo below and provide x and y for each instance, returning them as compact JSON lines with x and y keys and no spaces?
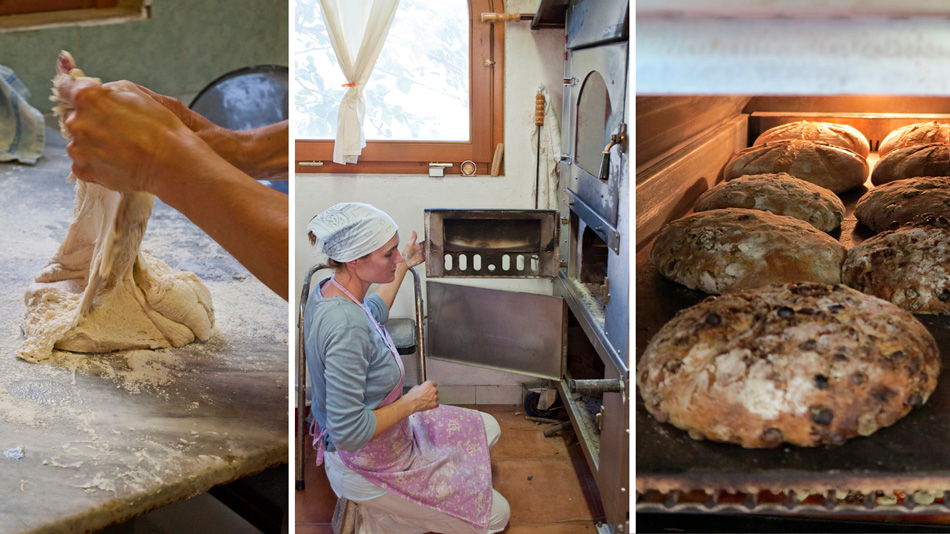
{"x":509,"y":331}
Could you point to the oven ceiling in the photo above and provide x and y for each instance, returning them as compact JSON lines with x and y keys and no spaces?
{"x":792,"y":48}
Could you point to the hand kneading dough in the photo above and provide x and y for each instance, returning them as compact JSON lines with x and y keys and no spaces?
{"x":99,"y":293}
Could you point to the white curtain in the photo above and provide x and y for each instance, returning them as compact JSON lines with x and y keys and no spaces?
{"x":358,"y":29}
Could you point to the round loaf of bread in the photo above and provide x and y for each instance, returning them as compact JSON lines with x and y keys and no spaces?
{"x":831,"y":167}
{"x":909,"y":266}
{"x":723,"y":250}
{"x":895,"y":203}
{"x":827,"y":132}
{"x":932,"y":159}
{"x":779,"y":193}
{"x":806,"y":364}
{"x":921,"y":133}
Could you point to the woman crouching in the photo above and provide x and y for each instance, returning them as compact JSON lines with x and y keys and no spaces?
{"x":412,"y":465}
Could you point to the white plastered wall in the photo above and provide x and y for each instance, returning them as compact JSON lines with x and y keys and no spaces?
{"x":532,"y":59}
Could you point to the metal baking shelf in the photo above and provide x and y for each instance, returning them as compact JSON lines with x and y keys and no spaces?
{"x":911,"y":455}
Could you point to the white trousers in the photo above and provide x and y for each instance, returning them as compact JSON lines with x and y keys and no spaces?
{"x":390,"y":513}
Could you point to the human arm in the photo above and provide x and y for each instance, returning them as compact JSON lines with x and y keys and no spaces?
{"x":413,"y":254}
{"x":125,"y":140}
{"x":420,"y":398}
{"x":358,"y":372}
{"x":260,"y":152}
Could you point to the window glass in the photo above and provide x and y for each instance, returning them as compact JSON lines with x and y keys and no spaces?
{"x":419,"y":89}
{"x":593,"y":110}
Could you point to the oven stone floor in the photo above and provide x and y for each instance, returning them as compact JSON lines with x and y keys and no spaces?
{"x":546,"y":480}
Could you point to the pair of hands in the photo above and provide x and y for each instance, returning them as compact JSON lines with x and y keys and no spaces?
{"x":128,"y":138}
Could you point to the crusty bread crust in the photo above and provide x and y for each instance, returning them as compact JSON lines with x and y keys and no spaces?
{"x":778,"y":193}
{"x":736,"y":248}
{"x":827,"y":132}
{"x":895,"y":203}
{"x":915,"y":134}
{"x":932,"y":159}
{"x":909,"y":266}
{"x":806,"y":364}
{"x":831,"y":167}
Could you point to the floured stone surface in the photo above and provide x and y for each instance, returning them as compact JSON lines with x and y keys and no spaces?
{"x":108,"y":436}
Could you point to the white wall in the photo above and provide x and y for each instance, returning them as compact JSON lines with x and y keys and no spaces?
{"x":532,"y":59}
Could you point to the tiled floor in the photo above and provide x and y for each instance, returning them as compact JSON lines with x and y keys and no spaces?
{"x":546,"y":480}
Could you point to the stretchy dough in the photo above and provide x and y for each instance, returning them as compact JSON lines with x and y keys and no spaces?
{"x":99,"y":293}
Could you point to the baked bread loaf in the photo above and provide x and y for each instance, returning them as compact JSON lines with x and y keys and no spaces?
{"x":727,"y":249}
{"x":831,"y":167}
{"x":779,"y":193}
{"x":932,"y":159}
{"x":909,"y":266}
{"x":915,"y":134}
{"x":806,"y":364}
{"x":895,"y":203}
{"x":827,"y":132}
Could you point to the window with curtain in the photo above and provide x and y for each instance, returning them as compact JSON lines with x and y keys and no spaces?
{"x":19,"y":7}
{"x":435,"y":94}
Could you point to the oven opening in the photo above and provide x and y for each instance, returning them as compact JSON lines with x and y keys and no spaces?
{"x":592,"y":254}
{"x":683,"y":144}
{"x":492,"y":245}
{"x":583,"y":363}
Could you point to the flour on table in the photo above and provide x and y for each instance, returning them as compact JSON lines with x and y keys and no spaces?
{"x":100,"y":293}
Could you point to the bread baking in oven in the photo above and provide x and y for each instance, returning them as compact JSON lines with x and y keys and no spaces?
{"x":831,"y":167}
{"x":932,"y":159}
{"x":828,"y":132}
{"x":807,"y":364}
{"x":779,"y":193}
{"x":723,"y":250}
{"x":909,"y":266}
{"x":915,"y":134}
{"x":895,"y":203}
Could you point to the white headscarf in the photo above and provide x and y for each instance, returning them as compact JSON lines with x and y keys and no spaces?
{"x":351,"y":230}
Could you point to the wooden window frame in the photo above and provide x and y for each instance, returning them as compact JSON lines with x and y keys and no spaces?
{"x":486,"y":118}
{"x":20,"y":7}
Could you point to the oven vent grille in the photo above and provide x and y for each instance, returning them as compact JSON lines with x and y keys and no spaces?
{"x":492,"y":243}
{"x":797,"y":502}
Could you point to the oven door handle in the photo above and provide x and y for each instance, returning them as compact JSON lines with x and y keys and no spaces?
{"x":615,"y":139}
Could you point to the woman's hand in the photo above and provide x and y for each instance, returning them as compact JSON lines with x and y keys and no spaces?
{"x":414,"y":253}
{"x":420,"y":398}
{"x":260,"y":152}
{"x":423,"y":397}
{"x":123,"y":139}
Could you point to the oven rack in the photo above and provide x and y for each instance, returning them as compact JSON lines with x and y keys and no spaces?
{"x":877,"y":503}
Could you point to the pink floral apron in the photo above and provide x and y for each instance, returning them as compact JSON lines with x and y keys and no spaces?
{"x":437,"y":458}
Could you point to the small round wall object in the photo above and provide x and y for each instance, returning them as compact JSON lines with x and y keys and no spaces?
{"x":468,"y":168}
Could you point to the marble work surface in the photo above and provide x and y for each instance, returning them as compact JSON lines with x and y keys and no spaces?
{"x":90,"y":440}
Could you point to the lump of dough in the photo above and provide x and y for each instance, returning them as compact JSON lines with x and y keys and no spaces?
{"x":100,"y":293}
